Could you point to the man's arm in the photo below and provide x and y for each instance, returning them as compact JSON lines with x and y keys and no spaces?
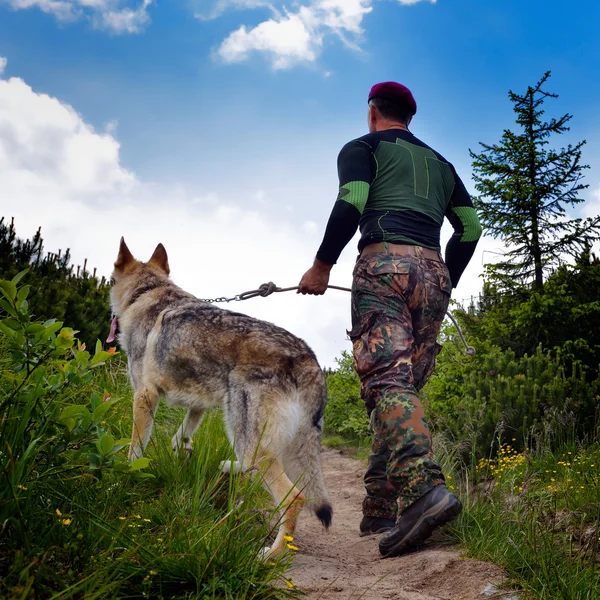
{"x":467,"y":231}
{"x":355,"y":172}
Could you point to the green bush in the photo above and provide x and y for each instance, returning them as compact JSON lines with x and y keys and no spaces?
{"x":564,"y":314}
{"x":345,"y":412}
{"x":495,"y":396}
{"x":58,"y":290}
{"x":41,"y":438}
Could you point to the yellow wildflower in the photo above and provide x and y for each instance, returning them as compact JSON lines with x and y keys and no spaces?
{"x":153,"y":572}
{"x":122,"y":518}
{"x":58,"y":513}
{"x":21,"y":487}
{"x":292,"y":547}
{"x":288,"y":538}
{"x":290,"y":583}
{"x":147,"y":520}
{"x":66,"y":522}
{"x":159,"y":539}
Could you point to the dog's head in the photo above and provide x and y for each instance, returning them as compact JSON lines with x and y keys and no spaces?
{"x":130,"y":276}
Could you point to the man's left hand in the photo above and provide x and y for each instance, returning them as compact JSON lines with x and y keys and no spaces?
{"x":315,"y":280}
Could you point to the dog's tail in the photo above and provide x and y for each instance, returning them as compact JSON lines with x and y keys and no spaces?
{"x":302,"y":457}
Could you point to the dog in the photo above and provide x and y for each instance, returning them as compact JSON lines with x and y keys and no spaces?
{"x":267,"y":382}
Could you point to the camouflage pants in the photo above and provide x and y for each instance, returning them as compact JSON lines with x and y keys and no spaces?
{"x":398,"y":304}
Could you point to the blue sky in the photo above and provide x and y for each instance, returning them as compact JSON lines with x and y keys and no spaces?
{"x":233,"y":112}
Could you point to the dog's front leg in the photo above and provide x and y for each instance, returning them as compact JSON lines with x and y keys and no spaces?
{"x":145,"y":403}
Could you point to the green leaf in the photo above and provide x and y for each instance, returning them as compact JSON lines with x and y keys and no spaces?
{"x":65,"y":339}
{"x":99,"y":358}
{"x":13,"y":324}
{"x":71,"y":411}
{"x":7,"y":331}
{"x":9,"y":308}
{"x":34,"y":328}
{"x":17,"y":278}
{"x":52,"y":327}
{"x":23,"y":293}
{"x":140,"y":463}
{"x":9,"y":289}
{"x":106,"y":443}
{"x":98,"y":347}
{"x":101,"y":410}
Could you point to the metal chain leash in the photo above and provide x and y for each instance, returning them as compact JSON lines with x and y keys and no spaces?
{"x":266,"y":289}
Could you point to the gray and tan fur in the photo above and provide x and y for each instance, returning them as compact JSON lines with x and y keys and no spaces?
{"x":198,"y":356}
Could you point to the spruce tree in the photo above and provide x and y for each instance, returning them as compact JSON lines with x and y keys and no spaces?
{"x":524,"y":189}
{"x":75,"y":296}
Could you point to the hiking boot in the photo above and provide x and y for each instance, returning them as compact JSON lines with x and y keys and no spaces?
{"x":374,"y":525}
{"x":418,"y":521}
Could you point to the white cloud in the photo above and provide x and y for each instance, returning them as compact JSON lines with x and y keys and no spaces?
{"x":3,"y":63}
{"x":46,"y":145}
{"x":289,"y":38}
{"x":116,"y":16}
{"x":124,"y":20}
{"x":205,"y":13}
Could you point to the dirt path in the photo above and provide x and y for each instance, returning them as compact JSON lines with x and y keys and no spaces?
{"x":339,"y":564}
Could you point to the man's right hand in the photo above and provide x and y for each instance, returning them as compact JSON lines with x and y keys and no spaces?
{"x":315,"y":280}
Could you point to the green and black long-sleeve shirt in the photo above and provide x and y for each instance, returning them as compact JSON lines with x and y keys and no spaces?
{"x":398,"y":189}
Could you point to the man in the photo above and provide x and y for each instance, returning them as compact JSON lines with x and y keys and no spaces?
{"x":398,"y":190}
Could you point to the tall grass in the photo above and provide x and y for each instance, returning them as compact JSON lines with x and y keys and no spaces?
{"x":537,"y":514}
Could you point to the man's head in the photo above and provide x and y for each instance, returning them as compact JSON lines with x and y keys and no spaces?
{"x":390,"y":104}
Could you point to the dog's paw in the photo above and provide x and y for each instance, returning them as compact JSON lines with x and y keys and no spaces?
{"x":184,"y":448}
{"x":230,"y":466}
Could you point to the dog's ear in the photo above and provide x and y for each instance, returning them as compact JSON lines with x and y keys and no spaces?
{"x":160,"y":259}
{"x":125,"y":257}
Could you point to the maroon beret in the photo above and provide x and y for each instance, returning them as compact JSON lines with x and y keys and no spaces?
{"x":394,"y":92}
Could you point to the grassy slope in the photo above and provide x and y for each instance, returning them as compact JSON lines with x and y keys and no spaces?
{"x":187,"y":532}
{"x":537,"y":514}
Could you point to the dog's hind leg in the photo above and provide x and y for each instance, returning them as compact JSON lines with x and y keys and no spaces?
{"x":145,"y":403}
{"x":287,"y":497}
{"x":183,"y":437}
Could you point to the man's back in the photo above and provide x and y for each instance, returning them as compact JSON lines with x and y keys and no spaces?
{"x":411,"y":187}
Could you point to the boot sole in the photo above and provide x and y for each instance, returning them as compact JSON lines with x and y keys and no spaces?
{"x":382,"y":530}
{"x":439,"y":514}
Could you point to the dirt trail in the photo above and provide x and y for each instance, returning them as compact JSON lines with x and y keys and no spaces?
{"x":338,"y":564}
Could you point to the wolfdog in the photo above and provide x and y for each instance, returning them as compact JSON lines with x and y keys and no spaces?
{"x":193,"y":354}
